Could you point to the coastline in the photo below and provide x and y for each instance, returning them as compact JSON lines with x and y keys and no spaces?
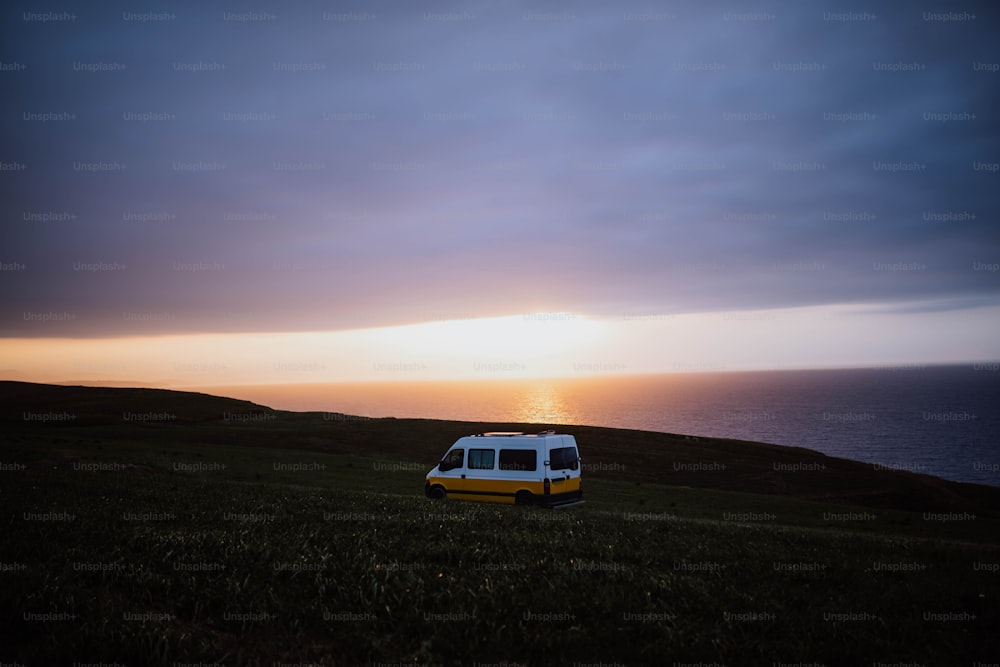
{"x":160,"y":417}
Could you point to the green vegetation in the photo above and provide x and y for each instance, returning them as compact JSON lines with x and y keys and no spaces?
{"x":305,"y":538}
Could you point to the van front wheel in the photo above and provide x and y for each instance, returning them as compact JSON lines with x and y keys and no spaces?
{"x":437,"y":493}
{"x":523,"y":498}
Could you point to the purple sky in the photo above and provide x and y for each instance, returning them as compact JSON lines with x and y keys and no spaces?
{"x":453,"y":160}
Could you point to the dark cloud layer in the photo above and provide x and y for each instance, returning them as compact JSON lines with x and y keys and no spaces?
{"x":198,"y":168}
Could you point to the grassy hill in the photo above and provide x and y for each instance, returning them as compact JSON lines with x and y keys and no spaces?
{"x":156,"y":416}
{"x":153,"y":527}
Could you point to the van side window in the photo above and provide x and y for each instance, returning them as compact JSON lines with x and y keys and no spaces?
{"x":453,"y":460}
{"x":481,"y":459}
{"x":563,"y":458}
{"x":518,"y":459}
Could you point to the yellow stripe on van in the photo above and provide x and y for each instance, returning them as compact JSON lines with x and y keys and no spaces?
{"x":504,"y":489}
{"x":479,"y":489}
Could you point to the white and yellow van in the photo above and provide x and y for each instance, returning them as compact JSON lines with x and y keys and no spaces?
{"x":537,"y":469}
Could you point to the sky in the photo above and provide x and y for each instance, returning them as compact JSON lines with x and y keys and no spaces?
{"x":222,"y":192}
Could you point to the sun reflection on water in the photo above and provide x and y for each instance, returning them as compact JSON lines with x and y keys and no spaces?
{"x":543,"y":403}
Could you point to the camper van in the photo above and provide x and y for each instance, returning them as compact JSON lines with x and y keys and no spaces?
{"x":524,"y":469}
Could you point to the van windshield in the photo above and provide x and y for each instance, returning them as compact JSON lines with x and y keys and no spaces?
{"x":563,"y":458}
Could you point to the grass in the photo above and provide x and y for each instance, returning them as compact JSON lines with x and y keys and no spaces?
{"x":200,"y":541}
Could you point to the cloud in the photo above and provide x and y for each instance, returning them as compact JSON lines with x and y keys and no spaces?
{"x":323,"y":170}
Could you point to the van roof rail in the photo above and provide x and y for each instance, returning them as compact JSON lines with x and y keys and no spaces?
{"x":549,"y":432}
{"x":503,"y":433}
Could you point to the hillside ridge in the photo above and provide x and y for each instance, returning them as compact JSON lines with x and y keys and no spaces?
{"x":38,"y":412}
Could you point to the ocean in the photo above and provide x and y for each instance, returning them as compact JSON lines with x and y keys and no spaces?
{"x":940,"y":420}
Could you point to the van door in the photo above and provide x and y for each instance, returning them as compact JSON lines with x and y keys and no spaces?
{"x":451,"y":470}
{"x":468,"y":474}
{"x":563,"y":471}
{"x":480,"y":474}
{"x":521,"y":469}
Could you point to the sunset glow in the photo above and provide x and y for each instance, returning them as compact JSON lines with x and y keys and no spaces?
{"x":285,"y":287}
{"x":409,"y":197}
{"x":535,"y":345}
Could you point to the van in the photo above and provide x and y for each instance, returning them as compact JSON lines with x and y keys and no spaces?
{"x":501,"y":467}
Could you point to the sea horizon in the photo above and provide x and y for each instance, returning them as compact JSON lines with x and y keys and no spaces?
{"x":941,"y":420}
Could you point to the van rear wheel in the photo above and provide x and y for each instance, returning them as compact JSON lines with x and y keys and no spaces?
{"x":523,"y":498}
